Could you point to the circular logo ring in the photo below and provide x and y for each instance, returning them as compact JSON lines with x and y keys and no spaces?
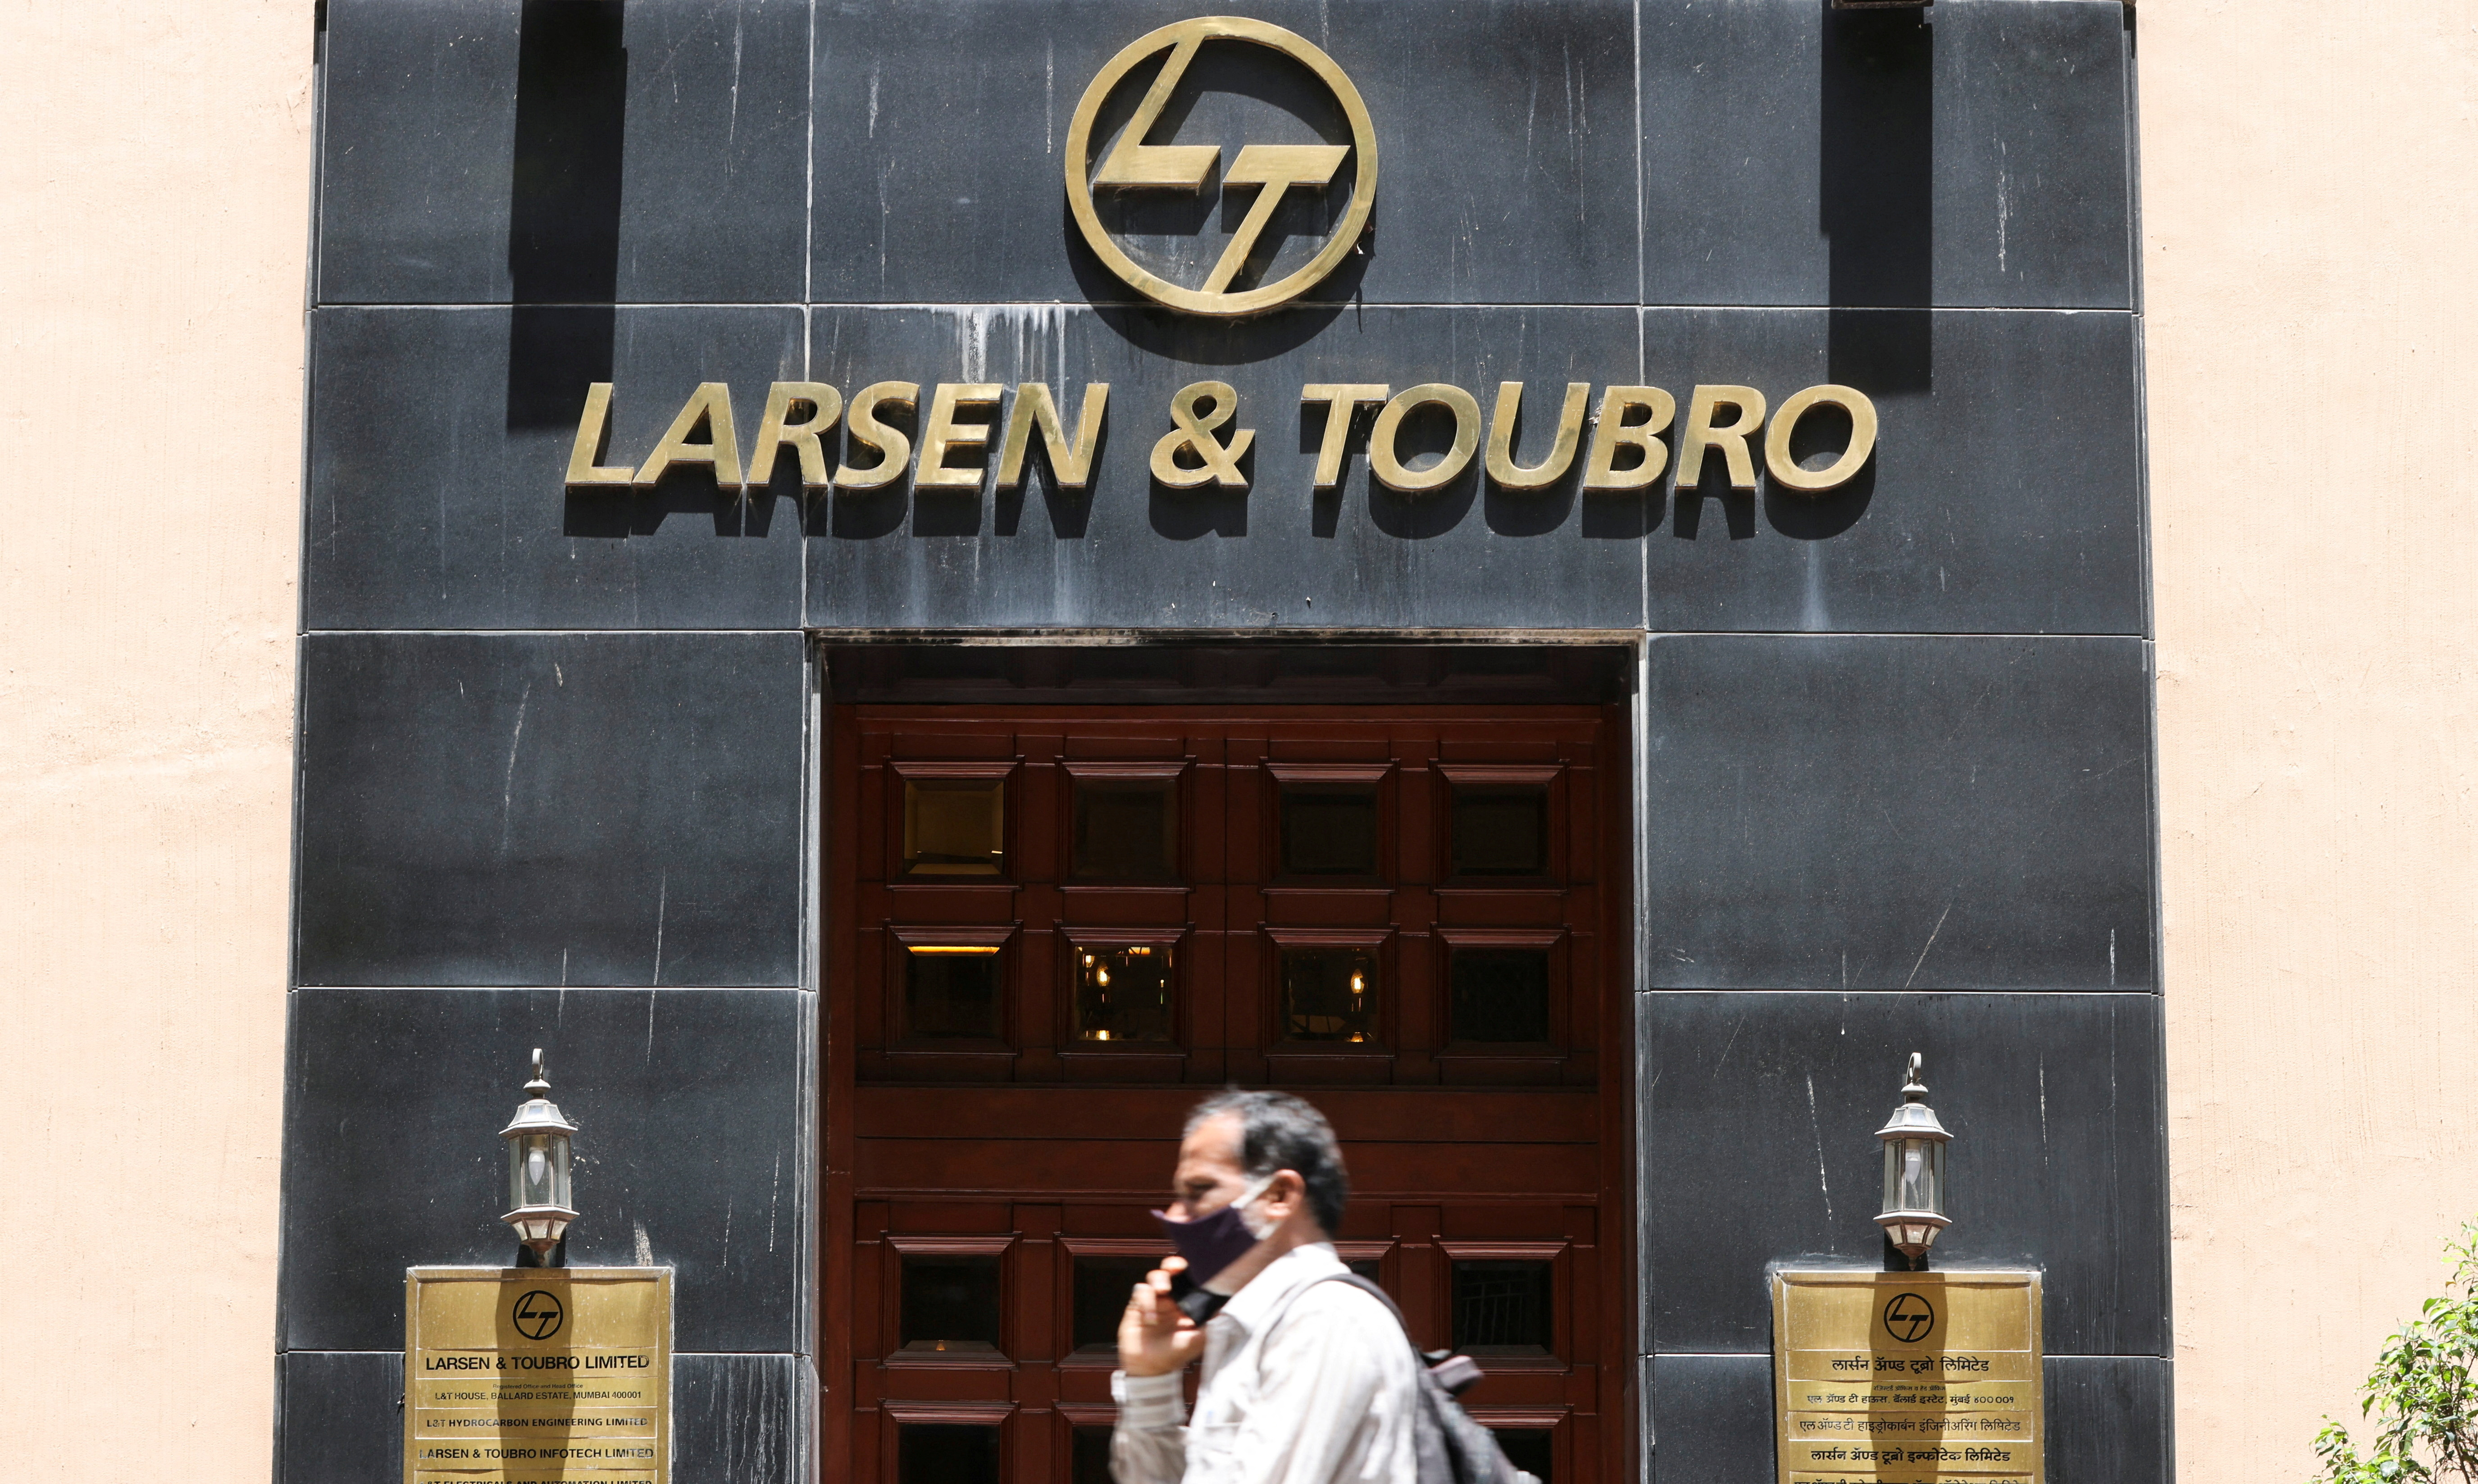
{"x":1190,"y":33}
{"x":1909,"y":1318}
{"x":537,"y":1321}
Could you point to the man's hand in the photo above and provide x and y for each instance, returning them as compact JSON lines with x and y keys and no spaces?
{"x":1154,"y":1336}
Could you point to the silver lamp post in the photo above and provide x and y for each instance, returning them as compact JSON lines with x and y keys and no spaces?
{"x":1913,"y":1172}
{"x":537,"y":1160}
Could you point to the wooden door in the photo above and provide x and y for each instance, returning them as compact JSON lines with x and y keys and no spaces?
{"x":1054,"y":929}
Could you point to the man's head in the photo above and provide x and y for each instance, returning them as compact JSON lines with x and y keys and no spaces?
{"x":1238,"y":1140}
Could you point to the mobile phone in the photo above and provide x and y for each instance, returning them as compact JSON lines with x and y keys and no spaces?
{"x":1193,"y":1301}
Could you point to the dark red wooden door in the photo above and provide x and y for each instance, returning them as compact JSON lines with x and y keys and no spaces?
{"x":1053,"y":929}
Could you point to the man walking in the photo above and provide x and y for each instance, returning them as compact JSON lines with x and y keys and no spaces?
{"x":1305,"y":1381}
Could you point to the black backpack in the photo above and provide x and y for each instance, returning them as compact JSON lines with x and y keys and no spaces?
{"x":1452,"y":1448}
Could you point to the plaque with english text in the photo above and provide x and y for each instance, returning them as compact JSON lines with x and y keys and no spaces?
{"x":538,"y":1376}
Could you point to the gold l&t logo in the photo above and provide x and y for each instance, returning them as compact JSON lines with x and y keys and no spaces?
{"x":1272,"y":171}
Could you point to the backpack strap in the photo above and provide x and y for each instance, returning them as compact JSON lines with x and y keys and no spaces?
{"x":1365,"y":1286}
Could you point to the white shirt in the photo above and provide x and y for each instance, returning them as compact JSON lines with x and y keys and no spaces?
{"x":1328,"y":1396}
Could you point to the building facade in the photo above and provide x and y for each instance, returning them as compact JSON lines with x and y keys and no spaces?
{"x":1594,"y":845}
{"x":1573,"y":579}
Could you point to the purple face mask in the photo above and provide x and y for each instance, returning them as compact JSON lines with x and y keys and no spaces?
{"x":1216,"y":1240}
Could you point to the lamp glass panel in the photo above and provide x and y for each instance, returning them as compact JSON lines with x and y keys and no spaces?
{"x":1329,"y":995}
{"x":1499,"y":995}
{"x":950,"y":1303}
{"x":1330,"y":829}
{"x":954,"y":826}
{"x":1501,"y":830}
{"x":1124,"y":994}
{"x":1127,"y":829}
{"x":950,"y":992}
{"x":537,"y":1170}
{"x":1914,"y":1174}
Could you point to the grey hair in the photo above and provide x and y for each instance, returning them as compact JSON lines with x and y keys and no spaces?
{"x":1277,"y":1131}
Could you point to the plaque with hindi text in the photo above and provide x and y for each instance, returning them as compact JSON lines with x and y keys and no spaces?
{"x":1907,"y":1377}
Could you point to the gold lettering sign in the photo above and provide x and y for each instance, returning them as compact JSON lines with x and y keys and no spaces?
{"x":1207,"y":441}
{"x":538,"y":1376}
{"x":1907,"y":1378}
{"x":1271,"y":170}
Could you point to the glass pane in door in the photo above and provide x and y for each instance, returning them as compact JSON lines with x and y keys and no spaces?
{"x":1526,"y":1449}
{"x":951,"y":990}
{"x":1124,"y":994}
{"x":1101,"y":1288}
{"x":1500,"y":830}
{"x":950,"y":1303}
{"x":946,"y":1453}
{"x":1127,"y":829}
{"x":1091,"y":1461}
{"x":1330,"y":829}
{"x":1501,"y":1307}
{"x":1329,"y":995}
{"x":1500,"y":994}
{"x":954,"y":826}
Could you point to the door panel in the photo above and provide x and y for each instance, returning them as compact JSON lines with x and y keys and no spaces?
{"x":1052,"y":930}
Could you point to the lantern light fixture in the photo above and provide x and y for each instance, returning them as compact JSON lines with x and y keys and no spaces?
{"x":1913,"y":1172}
{"x":538,"y":1168}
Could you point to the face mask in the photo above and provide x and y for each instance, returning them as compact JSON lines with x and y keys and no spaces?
{"x":1215,"y":1241}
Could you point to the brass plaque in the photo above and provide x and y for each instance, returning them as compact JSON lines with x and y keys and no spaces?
{"x":1907,"y":1377}
{"x":538,"y":1376}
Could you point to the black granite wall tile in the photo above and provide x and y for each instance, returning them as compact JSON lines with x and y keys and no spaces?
{"x":1712,"y":1419}
{"x":743,"y":1418}
{"x":550,"y":809}
{"x":2005,"y":495}
{"x":564,"y":151}
{"x":1137,"y":553}
{"x":2007,"y":501}
{"x":735,"y":1418}
{"x":691,"y":1150}
{"x":1972,"y":154}
{"x":1504,"y":137}
{"x":1891,"y":813}
{"x":2108,"y":1419}
{"x":1758,"y":1147}
{"x":339,"y":1415}
{"x":439,"y":452}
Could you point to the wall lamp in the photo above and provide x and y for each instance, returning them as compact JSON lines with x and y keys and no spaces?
{"x":1913,"y":1172}
{"x":538,"y":1165}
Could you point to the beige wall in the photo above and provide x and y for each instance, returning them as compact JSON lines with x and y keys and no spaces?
{"x":2308,"y":207}
{"x":153,"y":213}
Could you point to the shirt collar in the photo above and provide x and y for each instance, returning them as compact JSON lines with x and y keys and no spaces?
{"x":1268,"y":1290}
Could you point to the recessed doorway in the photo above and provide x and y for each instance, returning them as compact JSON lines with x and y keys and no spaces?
{"x":1057,"y":920}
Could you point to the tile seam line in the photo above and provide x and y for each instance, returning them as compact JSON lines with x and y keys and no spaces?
{"x":677,"y":1354}
{"x":2151,"y":994}
{"x":1767,"y":1355}
{"x":418,"y":987}
{"x":1627,"y":306}
{"x":886,"y":635}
